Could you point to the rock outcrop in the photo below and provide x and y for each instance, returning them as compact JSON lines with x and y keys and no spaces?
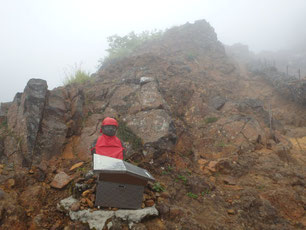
{"x":25,"y":116}
{"x":225,"y":142}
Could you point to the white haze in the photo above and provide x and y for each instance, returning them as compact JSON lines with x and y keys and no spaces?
{"x":43,"y":38}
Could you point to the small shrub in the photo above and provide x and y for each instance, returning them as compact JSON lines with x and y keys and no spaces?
{"x":192,"y":195}
{"x":124,"y":46}
{"x":207,"y":191}
{"x":157,"y":187}
{"x":209,"y":120}
{"x":76,"y":76}
{"x":182,"y":178}
{"x":191,"y":56}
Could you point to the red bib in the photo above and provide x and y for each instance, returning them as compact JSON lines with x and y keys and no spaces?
{"x":109,"y":146}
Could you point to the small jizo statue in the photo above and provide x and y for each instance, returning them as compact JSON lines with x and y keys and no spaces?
{"x":108,"y":144}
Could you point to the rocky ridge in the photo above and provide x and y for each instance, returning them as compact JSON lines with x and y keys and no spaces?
{"x":226,"y":146}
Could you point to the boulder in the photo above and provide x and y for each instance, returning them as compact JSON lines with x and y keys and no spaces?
{"x":25,"y":115}
{"x":150,"y":97}
{"x":155,"y":127}
{"x":217,"y":102}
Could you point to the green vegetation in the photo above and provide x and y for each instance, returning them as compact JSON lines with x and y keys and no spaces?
{"x":124,"y":46}
{"x":260,"y":187}
{"x":192,"y":195}
{"x":220,"y":144}
{"x":167,"y":171}
{"x":207,"y":191}
{"x":3,"y":124}
{"x":191,"y":56}
{"x":209,"y":120}
{"x":127,"y":135}
{"x":182,"y":178}
{"x":76,"y":76}
{"x":157,"y":187}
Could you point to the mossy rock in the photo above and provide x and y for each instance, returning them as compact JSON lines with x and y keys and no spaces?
{"x":127,"y":135}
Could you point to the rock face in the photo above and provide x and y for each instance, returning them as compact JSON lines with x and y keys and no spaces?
{"x":25,"y":115}
{"x":216,"y":136}
{"x":52,"y":135}
{"x":152,"y":126}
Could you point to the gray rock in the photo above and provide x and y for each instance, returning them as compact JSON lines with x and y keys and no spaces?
{"x":89,"y":174}
{"x":97,"y":219}
{"x":135,"y":216}
{"x":144,"y":80}
{"x":217,"y":102}
{"x":25,"y":115}
{"x":3,"y":111}
{"x":150,"y":125}
{"x":2,"y":194}
{"x":60,"y":180}
{"x":150,"y":97}
{"x":53,"y":132}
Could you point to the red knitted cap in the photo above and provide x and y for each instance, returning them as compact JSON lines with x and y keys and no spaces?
{"x":110,"y":121}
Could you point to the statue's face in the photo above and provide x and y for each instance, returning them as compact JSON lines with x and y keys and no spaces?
{"x":109,"y":130}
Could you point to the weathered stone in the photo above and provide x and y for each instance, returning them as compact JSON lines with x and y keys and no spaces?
{"x":97,"y":219}
{"x":212,"y":166}
{"x":231,"y":211}
{"x":77,"y":101}
{"x":4,"y":107}
{"x":151,"y":125}
{"x":25,"y":115}
{"x":51,"y":138}
{"x":75,"y":207}
{"x":150,"y":97}
{"x":149,"y":203}
{"x":60,"y":180}
{"x":144,"y":80}
{"x":217,"y":102}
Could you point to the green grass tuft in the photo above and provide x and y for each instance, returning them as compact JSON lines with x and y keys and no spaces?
{"x":77,"y":76}
{"x":209,"y":120}
{"x":157,"y":187}
{"x":192,"y":195}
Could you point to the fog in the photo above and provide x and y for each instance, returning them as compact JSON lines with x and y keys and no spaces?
{"x":43,"y":39}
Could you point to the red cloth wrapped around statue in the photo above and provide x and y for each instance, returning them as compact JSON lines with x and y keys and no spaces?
{"x":110,"y":146}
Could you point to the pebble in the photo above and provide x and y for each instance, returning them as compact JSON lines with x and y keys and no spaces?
{"x":75,"y":206}
{"x":231,"y":211}
{"x":10,"y":183}
{"x":149,"y":203}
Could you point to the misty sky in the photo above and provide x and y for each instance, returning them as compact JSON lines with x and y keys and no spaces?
{"x":45,"y":38}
